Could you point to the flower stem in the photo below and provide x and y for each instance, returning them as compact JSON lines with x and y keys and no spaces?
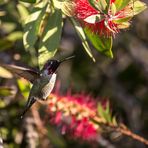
{"x":122,"y":129}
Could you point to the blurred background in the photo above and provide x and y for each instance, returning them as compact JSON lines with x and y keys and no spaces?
{"x":123,"y":80}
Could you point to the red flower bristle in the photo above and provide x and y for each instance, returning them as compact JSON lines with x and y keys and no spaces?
{"x":73,"y":113}
{"x":105,"y":27}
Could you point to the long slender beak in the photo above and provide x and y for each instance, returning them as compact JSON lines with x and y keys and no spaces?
{"x":66,"y":59}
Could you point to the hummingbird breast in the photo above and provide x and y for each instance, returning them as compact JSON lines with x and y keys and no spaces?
{"x":43,"y":86}
{"x":48,"y":87}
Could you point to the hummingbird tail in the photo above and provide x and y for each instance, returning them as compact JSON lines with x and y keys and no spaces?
{"x":28,"y":105}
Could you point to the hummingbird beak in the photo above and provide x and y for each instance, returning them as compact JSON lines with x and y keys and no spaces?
{"x":66,"y":59}
{"x":54,"y":64}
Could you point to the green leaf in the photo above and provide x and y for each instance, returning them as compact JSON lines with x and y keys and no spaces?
{"x":58,"y":4}
{"x":93,"y":3}
{"x":102,"y":44}
{"x":138,"y":7}
{"x":51,"y":37}
{"x":8,"y":27}
{"x":108,"y":112}
{"x":6,"y":91}
{"x":5,"y":73}
{"x":5,"y":44}
{"x":14,"y":36}
{"x":104,"y":113}
{"x":108,"y":5}
{"x":108,"y":117}
{"x":114,"y":122}
{"x":100,"y":110}
{"x":8,"y":41}
{"x":113,"y":9}
{"x":120,"y":4}
{"x":107,"y":108}
{"x":123,"y":25}
{"x":24,"y":86}
{"x":32,"y":25}
{"x":23,"y":12}
{"x":102,"y":5}
{"x":122,"y":20}
{"x":2,"y":103}
{"x":99,"y":5}
{"x":82,"y":36}
{"x":29,"y":1}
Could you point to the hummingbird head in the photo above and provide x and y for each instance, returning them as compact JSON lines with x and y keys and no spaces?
{"x":51,"y":65}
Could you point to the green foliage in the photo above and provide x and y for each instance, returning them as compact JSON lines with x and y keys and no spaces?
{"x":113,"y":9}
{"x":24,"y":86}
{"x":32,"y":25}
{"x":120,"y":4}
{"x":102,"y":44}
{"x":102,"y":5}
{"x":5,"y":73}
{"x":51,"y":36}
{"x":6,"y":91}
{"x":99,"y":5}
{"x":9,"y":40}
{"x":105,"y":113}
{"x":43,"y":31}
{"x":138,"y":7}
{"x":29,"y":1}
{"x":82,"y":36}
{"x":23,"y":12}
{"x":44,"y":25}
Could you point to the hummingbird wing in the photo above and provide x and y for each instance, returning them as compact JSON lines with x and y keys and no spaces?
{"x":40,"y":90}
{"x":27,"y":73}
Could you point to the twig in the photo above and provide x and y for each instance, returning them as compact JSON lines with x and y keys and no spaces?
{"x":125,"y":131}
{"x":122,"y":129}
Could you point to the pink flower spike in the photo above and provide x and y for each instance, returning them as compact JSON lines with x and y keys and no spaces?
{"x":73,"y":115}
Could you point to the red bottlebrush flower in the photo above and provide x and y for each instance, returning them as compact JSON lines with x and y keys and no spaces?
{"x":85,"y":130}
{"x":73,"y":115}
{"x":108,"y":23}
{"x":83,"y":9}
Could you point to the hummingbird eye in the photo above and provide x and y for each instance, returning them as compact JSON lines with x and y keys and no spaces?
{"x":48,"y":64}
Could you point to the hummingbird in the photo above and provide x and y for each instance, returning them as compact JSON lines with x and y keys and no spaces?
{"x":43,"y":81}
